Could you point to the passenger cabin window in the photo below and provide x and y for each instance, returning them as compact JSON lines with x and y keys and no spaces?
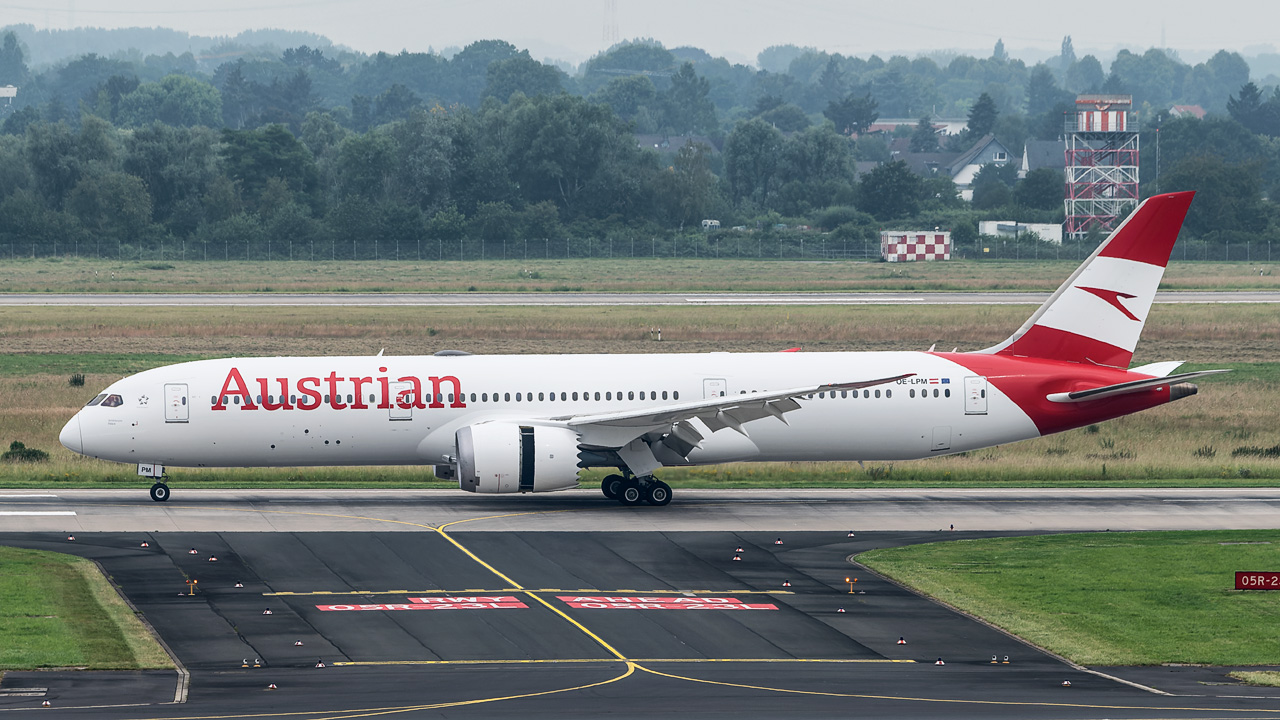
{"x":99,"y":399}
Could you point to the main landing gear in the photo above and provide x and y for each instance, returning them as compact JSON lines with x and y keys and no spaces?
{"x":159,"y":492}
{"x":635,"y":490}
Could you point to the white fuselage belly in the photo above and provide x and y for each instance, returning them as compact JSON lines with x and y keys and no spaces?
{"x":893,"y":426}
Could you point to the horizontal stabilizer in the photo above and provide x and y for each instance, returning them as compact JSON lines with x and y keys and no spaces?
{"x":1107,"y":391}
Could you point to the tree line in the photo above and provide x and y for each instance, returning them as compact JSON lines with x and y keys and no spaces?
{"x":355,"y":157}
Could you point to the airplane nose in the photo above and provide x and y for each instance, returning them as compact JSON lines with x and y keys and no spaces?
{"x":70,"y":435}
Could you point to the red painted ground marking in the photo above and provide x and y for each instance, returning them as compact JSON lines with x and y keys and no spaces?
{"x":479,"y":602}
{"x":613,"y":602}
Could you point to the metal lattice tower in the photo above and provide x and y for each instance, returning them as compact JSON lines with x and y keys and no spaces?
{"x":1101,"y":164}
{"x":610,"y":23}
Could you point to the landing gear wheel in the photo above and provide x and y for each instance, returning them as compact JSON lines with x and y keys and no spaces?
{"x":631,"y":493}
{"x":657,"y":493}
{"x":159,"y":492}
{"x":611,"y":486}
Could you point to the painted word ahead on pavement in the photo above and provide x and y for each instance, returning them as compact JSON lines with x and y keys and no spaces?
{"x":613,"y":602}
{"x":475,"y":602}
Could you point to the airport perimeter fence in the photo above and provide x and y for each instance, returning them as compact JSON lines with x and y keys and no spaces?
{"x":807,"y":246}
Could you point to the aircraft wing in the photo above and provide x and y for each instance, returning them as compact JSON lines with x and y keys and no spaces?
{"x":728,"y":411}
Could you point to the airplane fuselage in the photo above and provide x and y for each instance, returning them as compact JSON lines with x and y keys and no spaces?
{"x":267,"y":412}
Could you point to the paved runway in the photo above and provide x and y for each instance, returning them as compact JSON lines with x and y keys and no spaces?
{"x":586,"y":510}
{"x":583,"y":299}
{"x":437,"y":604}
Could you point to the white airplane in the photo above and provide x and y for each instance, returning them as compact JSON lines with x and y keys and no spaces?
{"x":531,"y":423}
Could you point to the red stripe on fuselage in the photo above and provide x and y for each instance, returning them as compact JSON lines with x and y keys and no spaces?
{"x":1041,"y":341}
{"x":1028,"y":382}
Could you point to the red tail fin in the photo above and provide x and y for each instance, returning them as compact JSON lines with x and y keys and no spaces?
{"x":1098,"y":314}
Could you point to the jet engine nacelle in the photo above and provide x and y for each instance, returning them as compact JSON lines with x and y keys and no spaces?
{"x":503,"y":457}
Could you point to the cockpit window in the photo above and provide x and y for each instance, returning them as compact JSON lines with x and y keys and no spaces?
{"x":96,"y":400}
{"x":113,"y":401}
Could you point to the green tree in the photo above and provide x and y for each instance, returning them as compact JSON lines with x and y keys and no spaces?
{"x":1246,"y":107}
{"x":1041,"y":189}
{"x":688,"y":107}
{"x":924,"y":138}
{"x":786,"y":117}
{"x":13,"y":66}
{"x":176,"y":100}
{"x":692,"y":185}
{"x":832,"y":80}
{"x":853,"y":114}
{"x":1228,"y":197}
{"x":114,"y":206}
{"x":983,"y":115}
{"x":890,"y":191}
{"x":251,"y":157}
{"x":1043,"y":92}
{"x":999,"y":54}
{"x":521,"y":74}
{"x":177,"y":166}
{"x":1085,"y":75}
{"x":751,"y":159}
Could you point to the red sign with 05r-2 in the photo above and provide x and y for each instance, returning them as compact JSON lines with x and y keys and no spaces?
{"x":1258,"y":580}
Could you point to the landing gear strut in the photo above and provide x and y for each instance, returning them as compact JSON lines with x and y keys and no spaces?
{"x":159,"y":492}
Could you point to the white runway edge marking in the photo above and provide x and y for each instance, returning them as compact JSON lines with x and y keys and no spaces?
{"x":4,"y":497}
{"x":36,"y":512}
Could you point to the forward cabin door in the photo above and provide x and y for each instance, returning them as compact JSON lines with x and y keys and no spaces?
{"x":402,"y":400}
{"x":975,"y":395}
{"x":714,"y":387}
{"x":176,"y":403}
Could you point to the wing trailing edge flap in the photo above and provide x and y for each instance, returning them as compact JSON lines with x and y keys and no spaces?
{"x":1125,"y":388}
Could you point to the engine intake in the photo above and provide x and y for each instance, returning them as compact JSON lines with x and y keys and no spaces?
{"x":508,"y":458}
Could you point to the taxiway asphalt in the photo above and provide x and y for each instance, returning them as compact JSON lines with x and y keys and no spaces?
{"x":434,"y":604}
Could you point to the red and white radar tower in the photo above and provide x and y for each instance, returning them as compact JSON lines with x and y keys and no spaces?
{"x":1101,"y":164}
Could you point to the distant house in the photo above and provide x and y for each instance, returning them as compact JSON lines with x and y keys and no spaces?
{"x":1194,"y":111}
{"x":987,"y":151}
{"x":960,"y":167}
{"x":943,"y":126}
{"x":1039,"y":154}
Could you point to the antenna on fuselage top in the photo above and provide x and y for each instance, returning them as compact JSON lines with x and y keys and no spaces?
{"x":380,"y":352}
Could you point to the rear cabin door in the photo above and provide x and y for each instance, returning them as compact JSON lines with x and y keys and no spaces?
{"x":975,"y":395}
{"x":177,"y":408}
{"x":402,"y":400}
{"x":714,"y":387}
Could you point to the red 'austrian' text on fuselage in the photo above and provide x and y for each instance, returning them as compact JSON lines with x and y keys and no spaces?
{"x":308,"y":393}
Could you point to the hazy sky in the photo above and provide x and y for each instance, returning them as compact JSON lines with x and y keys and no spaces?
{"x":737,"y":29}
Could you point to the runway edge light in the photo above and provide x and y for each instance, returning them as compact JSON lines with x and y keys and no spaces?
{"x":939,"y":662}
{"x":902,"y":641}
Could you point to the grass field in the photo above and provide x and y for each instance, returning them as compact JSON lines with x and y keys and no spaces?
{"x":596,"y":275}
{"x":1265,"y":678}
{"x":1109,"y":598}
{"x":1189,"y":443}
{"x":58,"y":611}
